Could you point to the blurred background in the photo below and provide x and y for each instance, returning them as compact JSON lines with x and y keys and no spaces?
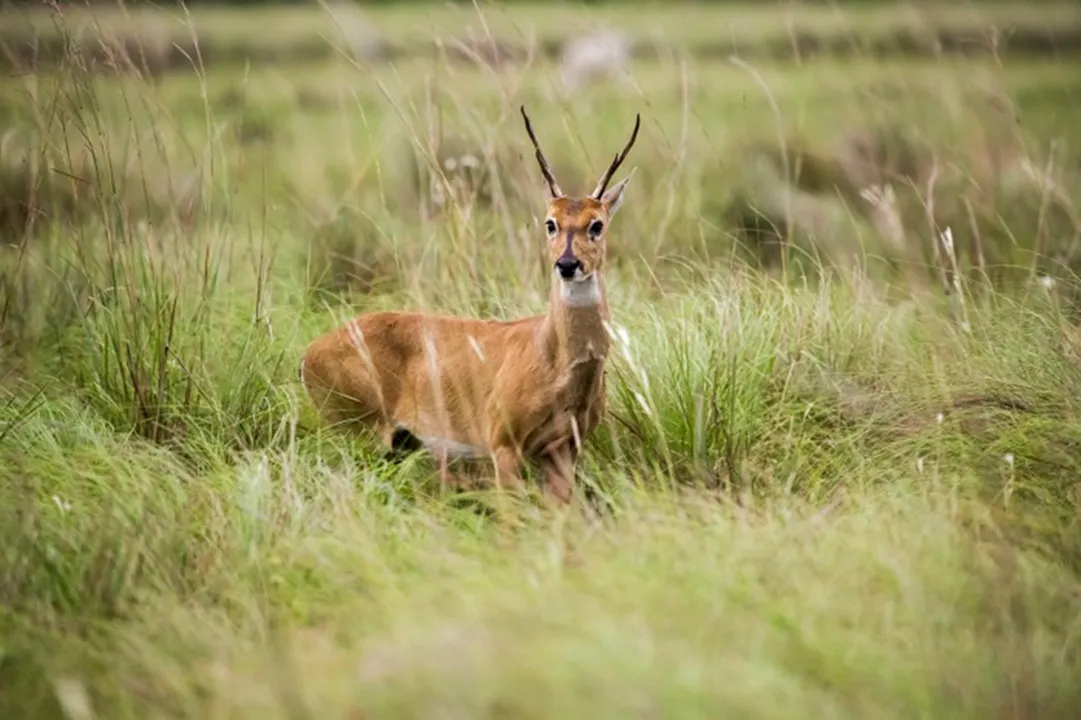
{"x":838,"y":475}
{"x":797,"y":135}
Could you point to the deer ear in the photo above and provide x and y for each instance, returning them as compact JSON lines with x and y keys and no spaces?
{"x":613,"y":196}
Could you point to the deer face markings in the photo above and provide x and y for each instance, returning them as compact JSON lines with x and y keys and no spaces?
{"x":575,"y":230}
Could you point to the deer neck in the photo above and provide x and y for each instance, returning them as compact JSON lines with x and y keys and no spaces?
{"x":574,"y":333}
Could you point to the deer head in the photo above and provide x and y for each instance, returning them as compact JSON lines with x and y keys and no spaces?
{"x":577,"y":226}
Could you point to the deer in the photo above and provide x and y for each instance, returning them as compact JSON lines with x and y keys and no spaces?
{"x":528,"y":390}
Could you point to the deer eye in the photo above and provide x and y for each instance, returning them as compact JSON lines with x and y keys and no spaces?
{"x":595,"y":229}
{"x":550,"y":226}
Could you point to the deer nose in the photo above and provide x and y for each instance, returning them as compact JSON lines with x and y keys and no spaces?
{"x":567,"y":266}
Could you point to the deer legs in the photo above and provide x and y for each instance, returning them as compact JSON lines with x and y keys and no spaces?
{"x":557,"y":463}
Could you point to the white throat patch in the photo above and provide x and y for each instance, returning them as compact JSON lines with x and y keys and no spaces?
{"x":580,"y":293}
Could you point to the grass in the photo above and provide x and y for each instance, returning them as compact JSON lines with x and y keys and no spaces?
{"x":825,"y":486}
{"x":171,"y":35}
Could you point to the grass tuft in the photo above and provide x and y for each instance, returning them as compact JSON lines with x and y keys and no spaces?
{"x":838,"y":472}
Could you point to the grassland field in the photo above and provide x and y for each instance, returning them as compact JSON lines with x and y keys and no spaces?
{"x":839,"y":475}
{"x":721,"y":28}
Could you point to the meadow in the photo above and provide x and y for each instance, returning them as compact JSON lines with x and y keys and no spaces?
{"x":839,"y":475}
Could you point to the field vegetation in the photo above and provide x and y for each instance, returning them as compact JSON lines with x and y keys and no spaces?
{"x":839,"y":476}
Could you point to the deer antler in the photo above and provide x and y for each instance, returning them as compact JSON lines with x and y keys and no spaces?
{"x":553,"y":186}
{"x":618,"y":160}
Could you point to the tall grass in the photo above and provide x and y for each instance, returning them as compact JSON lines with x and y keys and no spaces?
{"x":833,"y":490}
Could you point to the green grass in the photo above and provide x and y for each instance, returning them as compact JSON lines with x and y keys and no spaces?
{"x":823,"y":488}
{"x":414,"y":25}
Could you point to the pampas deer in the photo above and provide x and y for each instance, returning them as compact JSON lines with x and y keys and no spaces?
{"x":513,"y":391}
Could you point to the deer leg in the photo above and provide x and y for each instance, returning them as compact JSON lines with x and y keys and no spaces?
{"x":508,"y":477}
{"x":508,"y":472}
{"x":558,"y":466}
{"x":508,"y":469}
{"x":444,"y":474}
{"x":446,"y":477}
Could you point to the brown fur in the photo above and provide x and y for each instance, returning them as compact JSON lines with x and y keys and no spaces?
{"x":515,"y":391}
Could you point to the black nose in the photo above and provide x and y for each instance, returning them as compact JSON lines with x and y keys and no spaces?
{"x":567,"y":267}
